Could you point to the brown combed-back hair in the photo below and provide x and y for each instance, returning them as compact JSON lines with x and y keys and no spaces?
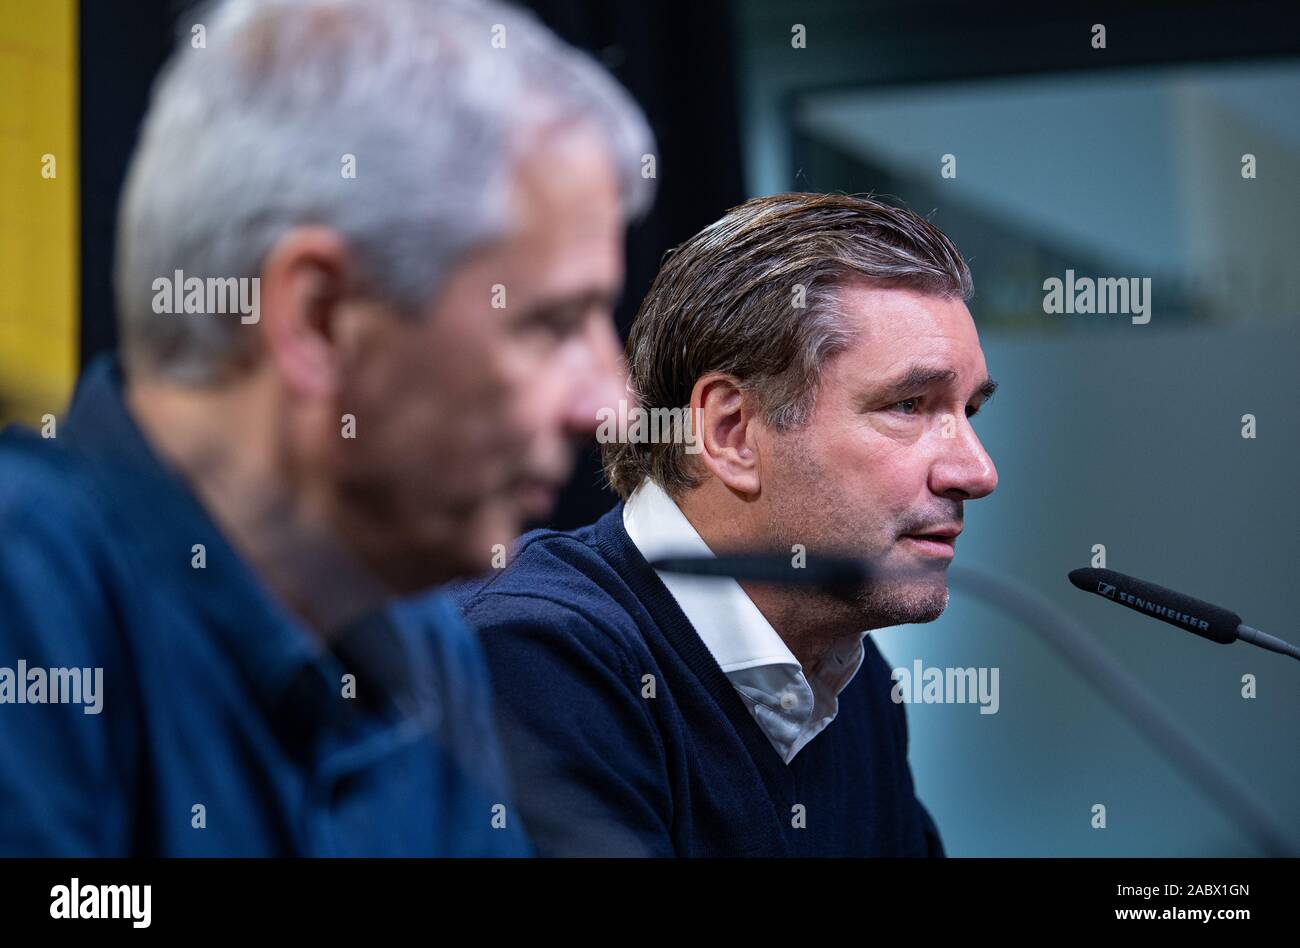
{"x":725,"y":301}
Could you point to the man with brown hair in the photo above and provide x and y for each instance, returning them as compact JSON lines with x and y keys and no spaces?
{"x":823,"y":348}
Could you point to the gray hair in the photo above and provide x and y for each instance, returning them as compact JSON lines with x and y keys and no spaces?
{"x":245,"y":139}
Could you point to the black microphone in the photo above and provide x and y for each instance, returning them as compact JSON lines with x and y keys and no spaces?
{"x":834,"y":574}
{"x":1186,"y":612}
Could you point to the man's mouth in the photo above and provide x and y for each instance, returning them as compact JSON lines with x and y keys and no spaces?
{"x":939,"y":542}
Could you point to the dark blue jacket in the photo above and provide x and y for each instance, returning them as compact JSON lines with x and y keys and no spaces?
{"x":223,"y":728}
{"x":574,"y":627}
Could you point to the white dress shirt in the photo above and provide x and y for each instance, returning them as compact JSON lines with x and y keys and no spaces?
{"x":790,"y":707}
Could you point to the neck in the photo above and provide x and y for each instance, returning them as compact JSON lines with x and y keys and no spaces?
{"x":233,"y":450}
{"x":808,"y":623}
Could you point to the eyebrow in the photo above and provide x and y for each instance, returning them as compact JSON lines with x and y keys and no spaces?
{"x":570,"y":304}
{"x":919,"y":377}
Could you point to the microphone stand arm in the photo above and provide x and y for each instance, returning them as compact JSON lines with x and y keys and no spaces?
{"x":1121,"y":688}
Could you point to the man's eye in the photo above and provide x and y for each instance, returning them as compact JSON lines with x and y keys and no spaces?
{"x":907,"y":406}
{"x":551,"y":327}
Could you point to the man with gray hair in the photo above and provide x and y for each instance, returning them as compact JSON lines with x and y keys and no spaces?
{"x":831,"y":369}
{"x":367,"y":258}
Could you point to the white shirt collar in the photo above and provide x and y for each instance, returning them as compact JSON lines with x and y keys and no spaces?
{"x":789,"y":708}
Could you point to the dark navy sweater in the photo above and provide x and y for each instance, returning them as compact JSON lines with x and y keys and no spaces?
{"x":574,"y":627}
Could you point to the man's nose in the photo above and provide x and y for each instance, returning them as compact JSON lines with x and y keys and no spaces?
{"x":964,"y":469}
{"x":598,"y":380}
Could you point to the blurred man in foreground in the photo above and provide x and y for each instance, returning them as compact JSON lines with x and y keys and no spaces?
{"x":366,"y":263}
{"x":831,"y":370}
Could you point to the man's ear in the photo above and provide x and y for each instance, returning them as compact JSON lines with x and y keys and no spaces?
{"x":304,"y":280}
{"x":724,"y":414}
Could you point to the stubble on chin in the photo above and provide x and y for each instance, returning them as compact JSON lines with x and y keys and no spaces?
{"x":902,"y":602}
{"x":820,"y":521}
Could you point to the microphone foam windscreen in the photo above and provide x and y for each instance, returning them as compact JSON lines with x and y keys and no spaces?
{"x":1203,"y":618}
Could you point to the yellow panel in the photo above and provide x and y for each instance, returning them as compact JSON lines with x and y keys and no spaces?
{"x":39,"y":225}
